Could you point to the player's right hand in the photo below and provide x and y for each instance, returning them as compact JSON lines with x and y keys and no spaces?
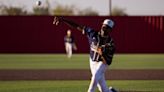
{"x":56,"y":21}
{"x":99,"y":50}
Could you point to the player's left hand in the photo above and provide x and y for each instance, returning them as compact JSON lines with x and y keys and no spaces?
{"x":74,"y":47}
{"x":56,"y":21}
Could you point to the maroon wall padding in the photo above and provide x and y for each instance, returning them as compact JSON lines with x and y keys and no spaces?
{"x":37,"y":34}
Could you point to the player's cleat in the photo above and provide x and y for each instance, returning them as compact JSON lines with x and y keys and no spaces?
{"x":111,"y":89}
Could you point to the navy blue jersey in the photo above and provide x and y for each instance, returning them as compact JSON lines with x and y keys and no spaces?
{"x":69,"y":39}
{"x":96,"y":41}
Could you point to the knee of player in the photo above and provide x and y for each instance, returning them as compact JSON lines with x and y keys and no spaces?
{"x":96,"y":76}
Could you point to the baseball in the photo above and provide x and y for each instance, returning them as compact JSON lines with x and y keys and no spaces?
{"x":38,"y":3}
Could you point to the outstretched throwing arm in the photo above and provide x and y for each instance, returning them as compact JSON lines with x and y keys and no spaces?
{"x":70,"y":23}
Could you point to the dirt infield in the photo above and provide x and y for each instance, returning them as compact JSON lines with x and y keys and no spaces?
{"x":80,"y":74}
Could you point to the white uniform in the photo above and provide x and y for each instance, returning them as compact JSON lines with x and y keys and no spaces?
{"x":97,"y":65}
{"x":69,"y":41}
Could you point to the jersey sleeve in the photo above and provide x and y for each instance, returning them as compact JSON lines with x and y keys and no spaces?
{"x":88,"y":31}
{"x":108,"y":51}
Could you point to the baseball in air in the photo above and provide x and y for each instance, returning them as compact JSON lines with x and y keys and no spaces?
{"x":38,"y":3}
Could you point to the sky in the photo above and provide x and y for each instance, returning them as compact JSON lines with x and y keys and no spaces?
{"x":131,"y":7}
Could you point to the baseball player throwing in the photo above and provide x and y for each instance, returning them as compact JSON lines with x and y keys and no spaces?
{"x":101,"y":51}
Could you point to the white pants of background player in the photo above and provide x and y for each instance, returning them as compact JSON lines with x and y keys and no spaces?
{"x":98,"y":77}
{"x":68,"y":48}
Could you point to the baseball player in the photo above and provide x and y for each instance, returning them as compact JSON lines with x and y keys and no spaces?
{"x":69,"y":44}
{"x":101,"y":51}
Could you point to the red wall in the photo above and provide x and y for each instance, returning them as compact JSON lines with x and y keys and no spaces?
{"x":36,"y":34}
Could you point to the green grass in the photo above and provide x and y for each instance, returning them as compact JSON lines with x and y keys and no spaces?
{"x":79,"y":86}
{"x":138,"y":61}
{"x":43,"y":61}
{"x":78,"y":61}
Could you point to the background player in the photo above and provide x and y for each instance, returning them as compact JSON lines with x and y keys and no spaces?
{"x":69,"y":43}
{"x":101,"y":51}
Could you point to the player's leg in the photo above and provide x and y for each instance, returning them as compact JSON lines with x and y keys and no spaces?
{"x":97,"y":74}
{"x":92,"y":85}
{"x":102,"y":86}
{"x":91,"y":66}
{"x":68,"y":50}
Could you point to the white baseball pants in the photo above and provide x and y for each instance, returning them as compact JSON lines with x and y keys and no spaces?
{"x":68,"y":48}
{"x":98,"y":76}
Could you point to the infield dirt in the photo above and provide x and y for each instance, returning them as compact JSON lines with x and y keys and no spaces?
{"x":78,"y":74}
